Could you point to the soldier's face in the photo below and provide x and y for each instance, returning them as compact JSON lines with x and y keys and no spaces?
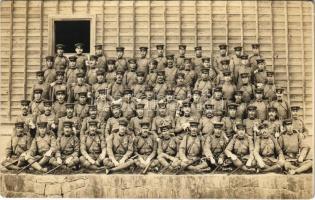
{"x":209,"y":112}
{"x":79,"y":50}
{"x":116,"y":112}
{"x":238,"y":53}
{"x":241,"y":132}
{"x":92,"y":62}
{"x":272,"y":115}
{"x":204,"y":76}
{"x":166,"y":134}
{"x":149,"y":94}
{"x":143,"y":53}
{"x":133,"y":66}
{"x":102,"y":96}
{"x":92,"y":129}
{"x":128,"y":96}
{"x":169,"y":97}
{"x":182,"y":51}
{"x":60,"y":51}
{"x":232,"y":112}
{"x":119,"y":77}
{"x":256,"y":51}
{"x":37,"y":96}
{"x":67,"y":130}
{"x":193,"y":130}
{"x":162,"y":111}
{"x":265,"y":133}
{"x":42,"y":131}
{"x":251,"y":113}
{"x":25,"y":108}
{"x":261,"y":66}
{"x":59,"y":78}
{"x":196,"y":97}
{"x":140,"y":79}
{"x":82,"y":99}
{"x":100,"y":78}
{"x":244,"y":61}
{"x":180,"y":80}
{"x":140,"y":112}
{"x":259,"y":96}
{"x":152,"y":66}
{"x":122,"y":130}
{"x":160,"y":51}
{"x":19,"y":131}
{"x":60,"y":97}
{"x":238,"y":98}
{"x":198,"y":53}
{"x":289,"y":128}
{"x":72,"y":64}
{"x":80,"y":80}
{"x":206,"y":64}
{"x":160,"y":79}
{"x":47,"y":110}
{"x":93,"y":113}
{"x":120,"y":54}
{"x":186,"y":110}
{"x":218,"y":95}
{"x":40,"y":79}
{"x":245,"y":80}
{"x":222,"y":52}
{"x":187,"y":66}
{"x":49,"y":63}
{"x":170,"y":63}
{"x":144,"y":132}
{"x":270,"y":79}
{"x":98,"y":52}
{"x":227,"y":78}
{"x":279,"y":95}
{"x":69,"y":112}
{"x":217,"y":132}
{"x":295,"y":114}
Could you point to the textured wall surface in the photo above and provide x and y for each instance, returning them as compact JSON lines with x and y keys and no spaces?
{"x":150,"y":186}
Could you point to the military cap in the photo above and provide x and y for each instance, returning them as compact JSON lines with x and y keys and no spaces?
{"x":60,"y":91}
{"x":40,"y":73}
{"x":120,"y":72}
{"x":180,"y":75}
{"x":25,"y":102}
{"x":128,"y":91}
{"x":232,"y":105}
{"x":225,"y":62}
{"x":153,"y":61}
{"x":187,"y":60}
{"x":69,"y":105}
{"x":198,"y":48}
{"x":287,"y":122}
{"x":82,"y":94}
{"x":205,"y":59}
{"x":92,"y":107}
{"x":140,"y":105}
{"x":238,"y":48}
{"x":67,"y":124}
{"x":98,"y":46}
{"x":143,"y":48}
{"x":50,"y":58}
{"x":279,"y":89}
{"x":93,"y":123}
{"x":48,"y":103}
{"x":80,"y":74}
{"x":169,"y":92}
{"x":194,"y":123}
{"x":295,"y":108}
{"x":244,"y":75}
{"x":145,"y":123}
{"x":148,"y":88}
{"x":73,"y":58}
{"x":123,"y":122}
{"x":38,"y":90}
{"x":240,"y":126}
{"x":120,"y":48}
{"x":270,"y":73}
{"x":42,"y":124}
{"x":160,"y":46}
{"x":209,"y":105}
{"x":260,"y":60}
{"x":255,"y":46}
{"x":217,"y":89}
{"x":60,"y":46}
{"x":60,"y":73}
{"x":238,"y":92}
{"x":93,"y":57}
{"x":272,"y":109}
{"x":116,"y":104}
{"x":251,"y":107}
{"x":160,"y":73}
{"x":226,"y":73}
{"x":19,"y":124}
{"x":197,"y":92}
{"x":132,"y":61}
{"x":222,"y":46}
{"x":182,"y":46}
{"x":79,"y":45}
{"x":170,"y":56}
{"x":259,"y":91}
{"x":100,"y":72}
{"x":218,"y":125}
{"x":244,"y":57}
{"x":141,"y":73}
{"x":162,"y":104}
{"x":111,"y":62}
{"x":186,"y":103}
{"x":205,"y":70}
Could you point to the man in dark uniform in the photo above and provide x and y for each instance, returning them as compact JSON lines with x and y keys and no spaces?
{"x":170,"y":70}
{"x":247,"y":88}
{"x":297,"y":122}
{"x":37,"y":105}
{"x":181,"y":56}
{"x":256,"y":55}
{"x":72,"y":71}
{"x":161,"y":118}
{"x":100,"y":84}
{"x":48,"y":116}
{"x":245,"y":67}
{"x":197,"y":60}
{"x":172,"y":106}
{"x":205,"y":123}
{"x":241,"y":105}
{"x":203,"y":83}
{"x":260,"y":104}
{"x":160,"y":57}
{"x":228,"y":86}
{"x":121,"y":61}
{"x":103,"y":103}
{"x":160,"y":86}
{"x":149,"y":102}
{"x":182,"y":123}
{"x":118,"y":86}
{"x":127,"y":104}
{"x":252,"y":122}
{"x":59,"y":84}
{"x":143,"y":61}
{"x":134,"y":124}
{"x":50,"y":71}
{"x":139,"y":86}
{"x":81,"y":58}
{"x":110,"y":75}
{"x":217,"y":99}
{"x":101,"y":57}
{"x":80,"y":86}
{"x":61,"y":61}
{"x":152,"y":74}
{"x":81,"y":109}
{"x":281,"y":105}
{"x":113,"y":122}
{"x":231,"y":120}
{"x":76,"y":121}
{"x":181,"y":90}
{"x":41,"y":84}
{"x":130,"y":76}
{"x":27,"y":118}
{"x":236,"y":58}
{"x":91,"y":77}
{"x":273,"y":123}
{"x":223,"y":55}
{"x":93,"y":116}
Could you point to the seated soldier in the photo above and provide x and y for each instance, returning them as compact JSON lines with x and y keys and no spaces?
{"x":268,"y":153}
{"x":190,"y":150}
{"x":145,"y":146}
{"x":67,"y":148}
{"x":295,"y":150}
{"x":168,"y":149}
{"x":92,"y":147}
{"x":119,"y":149}
{"x":241,"y":149}
{"x":214,"y":146}
{"x":16,"y":149}
{"x":27,"y":118}
{"x":93,"y":116}
{"x":42,"y":149}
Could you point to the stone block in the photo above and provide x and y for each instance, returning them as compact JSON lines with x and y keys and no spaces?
{"x":53,"y":190}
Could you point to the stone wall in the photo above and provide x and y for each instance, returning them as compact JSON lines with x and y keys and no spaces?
{"x":157,"y":186}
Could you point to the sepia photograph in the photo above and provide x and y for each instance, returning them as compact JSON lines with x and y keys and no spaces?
{"x":157,"y":99}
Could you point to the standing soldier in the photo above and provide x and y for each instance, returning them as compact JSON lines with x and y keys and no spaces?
{"x":228,"y":87}
{"x":103,"y":103}
{"x":203,"y":83}
{"x":245,"y":67}
{"x":252,"y":122}
{"x":76,"y":123}
{"x":172,"y":107}
{"x":58,"y":85}
{"x":41,"y":84}
{"x":181,"y":56}
{"x":260,"y":74}
{"x":101,"y":57}
{"x":93,"y":116}
{"x":81,"y":58}
{"x":241,"y":149}
{"x":236,"y":58}
{"x":295,"y":150}
{"x":270,"y":87}
{"x":27,"y":118}
{"x":128,"y":105}
{"x":81,"y":108}
{"x":37,"y":105}
{"x":190,"y":74}
{"x":139,"y":86}
{"x":118,"y":86}
{"x":80,"y":86}
{"x":197,"y":104}
{"x":42,"y":149}
{"x":170,"y":70}
{"x":162,"y":118}
{"x":92,"y":69}
{"x":260,"y":104}
{"x":143,"y":61}
{"x":110,"y":76}
{"x":72,"y":71}
{"x":93,"y":148}
{"x":119,"y":149}
{"x":49,"y":117}
{"x":274,"y":125}
{"x":17,"y":147}
{"x":160,"y":85}
{"x":197,"y":60}
{"x":247,"y":88}
{"x":241,"y":105}
{"x":256,"y":55}
{"x":134,"y":124}
{"x":100,"y":84}
{"x":59,"y":106}
{"x":225,"y":66}
{"x":149,"y":103}
{"x":113,"y":122}
{"x":297,"y":122}
{"x":160,"y":57}
{"x":181,"y":90}
{"x":152,"y":75}
{"x":61,"y":61}
{"x":217,"y":100}
{"x":231,"y":120}
{"x":67,"y":148}
{"x":130,"y":76}
{"x":223,"y":55}
{"x":121,"y":61}
{"x":205,"y":123}
{"x":281,"y":105}
{"x":50,"y":71}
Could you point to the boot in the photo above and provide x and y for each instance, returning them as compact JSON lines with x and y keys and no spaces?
{"x":37,"y":166}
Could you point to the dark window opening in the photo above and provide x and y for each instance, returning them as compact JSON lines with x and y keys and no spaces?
{"x":72,"y":32}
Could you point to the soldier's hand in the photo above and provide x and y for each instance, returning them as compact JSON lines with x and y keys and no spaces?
{"x":122,"y":161}
{"x":300,"y":160}
{"x":249,"y":163}
{"x":91,"y":161}
{"x":68,"y":160}
{"x":220,"y":161}
{"x":233,"y":157}
{"x":212,"y":160}
{"x":277,"y":134}
{"x":53,"y":126}
{"x":116,"y":163}
{"x":32,"y":125}
{"x":59,"y":161}
{"x":48,"y":153}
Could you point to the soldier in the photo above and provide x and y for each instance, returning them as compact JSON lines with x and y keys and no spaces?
{"x":160,"y":85}
{"x":81,"y":109}
{"x":149,"y":103}
{"x":139,"y":86}
{"x":223,"y":55}
{"x":268,"y":153}
{"x":113,"y":122}
{"x":247,"y":88}
{"x":273,"y":124}
{"x":203,"y":83}
{"x":245,"y":67}
{"x":134,"y":124}
{"x":170,"y":70}
{"x":76,"y":123}
{"x":61,"y":61}
{"x":67,"y":148}
{"x":197,"y":104}
{"x":241,"y":149}
{"x":236,"y":58}
{"x":103,"y":103}
{"x":27,"y":118}
{"x":119,"y":149}
{"x":168,"y":149}
{"x":110,"y":76}
{"x":101,"y":57}
{"x":152,"y":75}
{"x":59,"y":106}
{"x":225,"y":66}
{"x":205,"y":123}
{"x":41,"y":84}
{"x":93,"y":148}
{"x":295,"y":150}
{"x":297,"y":122}
{"x":160,"y":57}
{"x":190,"y":150}
{"x":143,"y":61}
{"x":256,"y":55}
{"x":241,"y":105}
{"x":92,"y":69}
{"x":81,"y":58}
{"x":217,"y":99}
{"x":145,"y":146}
{"x":197,"y":60}
{"x":182,"y":123}
{"x":172,"y":107}
{"x":100,"y":84}
{"x":181,"y":90}
{"x":130,"y":76}
{"x":181,"y":56}
{"x":231,"y":120}
{"x":161,"y":118}
{"x":58,"y":85}
{"x":48,"y":116}
{"x":270,"y":87}
{"x":42,"y":149}
{"x":190,"y":74}
{"x":251,"y":122}
{"x":37,"y":105}
{"x":281,"y":105}
{"x":118,"y":86}
{"x":80,"y":86}
{"x":128,"y":105}
{"x":72,"y":71}
{"x":260,"y":74}
{"x":260,"y":104}
{"x":93,"y":116}
{"x":121,"y":62}
{"x":214,"y":146}
{"x":50,"y":71}
{"x":17,"y":147}
{"x":228,"y":87}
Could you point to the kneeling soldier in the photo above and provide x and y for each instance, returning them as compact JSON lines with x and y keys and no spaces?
{"x":42,"y":149}
{"x":119,"y":149}
{"x":240,"y":149}
{"x":295,"y":150}
{"x":145,"y":146}
{"x":68,"y":146}
{"x":16,"y":150}
{"x":268,"y":153}
{"x":93,"y":147}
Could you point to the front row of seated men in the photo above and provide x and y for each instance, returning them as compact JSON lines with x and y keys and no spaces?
{"x":123,"y":150}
